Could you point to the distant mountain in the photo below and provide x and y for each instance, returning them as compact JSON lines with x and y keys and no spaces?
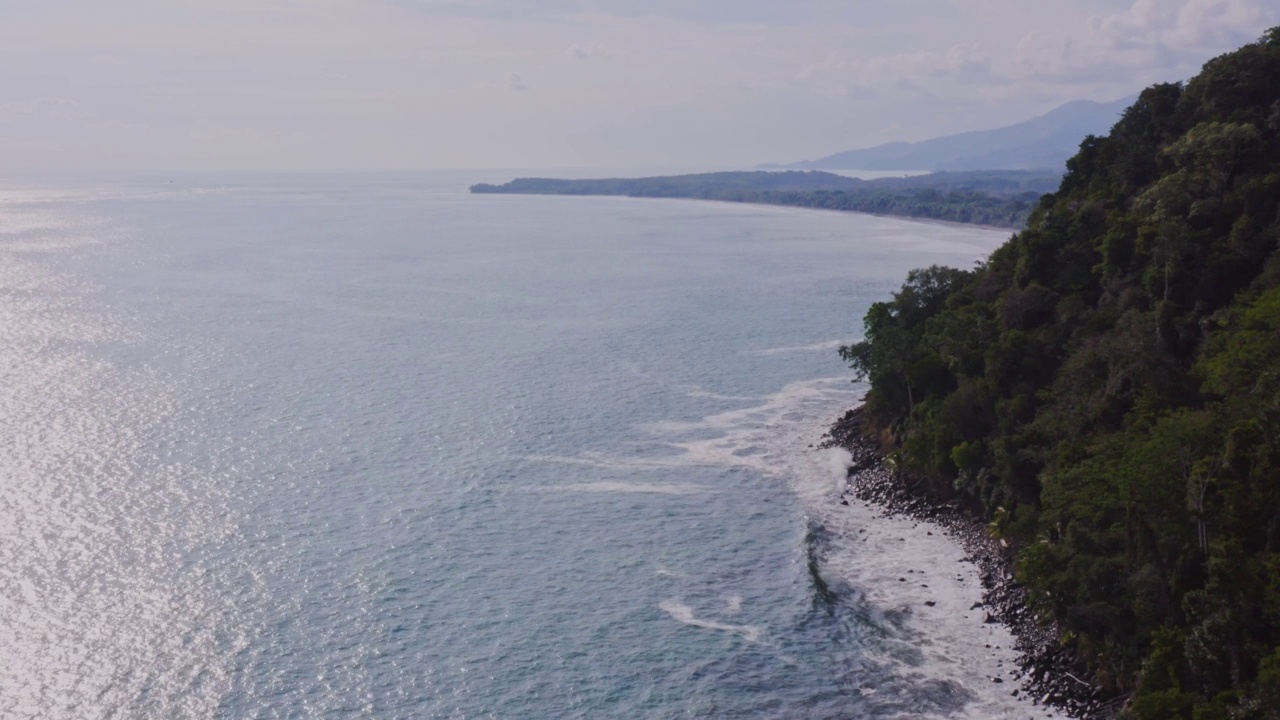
{"x":1042,"y":142}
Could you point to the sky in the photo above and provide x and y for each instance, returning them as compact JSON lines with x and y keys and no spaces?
{"x":261,"y":85}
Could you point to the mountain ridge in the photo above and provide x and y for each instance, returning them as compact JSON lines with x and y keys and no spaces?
{"x":1044,"y":141}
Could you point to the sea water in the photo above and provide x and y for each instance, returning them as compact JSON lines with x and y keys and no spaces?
{"x":370,"y":446}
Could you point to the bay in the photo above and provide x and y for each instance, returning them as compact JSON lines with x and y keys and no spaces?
{"x":370,"y":446}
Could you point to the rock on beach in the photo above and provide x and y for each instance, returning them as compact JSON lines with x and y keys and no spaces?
{"x":1046,"y":670}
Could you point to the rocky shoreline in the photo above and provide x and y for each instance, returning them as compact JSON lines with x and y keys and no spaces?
{"x":1046,"y":671}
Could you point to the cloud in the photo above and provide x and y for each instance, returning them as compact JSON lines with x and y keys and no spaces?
{"x":837,"y":76}
{"x":584,"y":52}
{"x":1166,"y":34}
{"x":41,"y":107}
{"x":208,"y":132}
{"x":117,"y":125}
{"x":511,"y":82}
{"x":709,"y":12}
{"x":492,"y":8}
{"x":428,"y":83}
{"x":1040,"y":53}
{"x":967,"y":60}
{"x":515,"y":82}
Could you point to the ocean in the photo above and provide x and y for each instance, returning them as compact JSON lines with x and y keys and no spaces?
{"x":368,"y":446}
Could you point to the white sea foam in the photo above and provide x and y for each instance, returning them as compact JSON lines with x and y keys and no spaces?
{"x":610,"y":486}
{"x":697,"y":391}
{"x":603,"y":461}
{"x":899,"y":565}
{"x":825,"y":346}
{"x":895,"y":565}
{"x":838,"y":462}
{"x":684,"y":614}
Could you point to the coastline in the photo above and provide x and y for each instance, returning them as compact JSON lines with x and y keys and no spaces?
{"x":1046,"y":672}
{"x":911,"y":218}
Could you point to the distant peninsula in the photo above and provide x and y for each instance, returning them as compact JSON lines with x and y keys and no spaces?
{"x":1001,"y":198}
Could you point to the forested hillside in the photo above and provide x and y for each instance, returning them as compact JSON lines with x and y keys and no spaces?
{"x":1105,"y":390}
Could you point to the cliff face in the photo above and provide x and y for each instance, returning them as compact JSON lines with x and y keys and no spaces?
{"x":1106,"y":391}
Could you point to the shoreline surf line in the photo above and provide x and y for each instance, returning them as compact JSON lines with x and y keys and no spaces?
{"x":1045,"y":671}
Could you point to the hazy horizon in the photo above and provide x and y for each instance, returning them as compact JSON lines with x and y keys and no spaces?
{"x":405,"y":85}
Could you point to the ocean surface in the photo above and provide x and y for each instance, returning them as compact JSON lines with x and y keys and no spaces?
{"x":367,"y":446}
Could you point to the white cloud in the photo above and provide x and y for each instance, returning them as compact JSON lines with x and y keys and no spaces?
{"x":914,"y":73}
{"x":45,"y":107}
{"x":967,"y":60}
{"x":511,"y":82}
{"x":371,"y":84}
{"x":1149,"y":36}
{"x":592,"y":50}
{"x":210,"y":132}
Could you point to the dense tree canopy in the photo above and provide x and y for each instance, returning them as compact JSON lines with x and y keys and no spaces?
{"x":1106,"y":390}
